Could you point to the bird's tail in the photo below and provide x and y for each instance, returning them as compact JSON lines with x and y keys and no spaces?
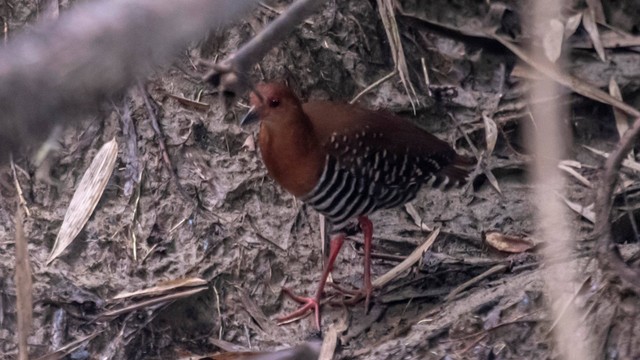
{"x":455,"y":174}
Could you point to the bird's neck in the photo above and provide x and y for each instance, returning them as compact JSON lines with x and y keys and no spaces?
{"x":292,"y":153}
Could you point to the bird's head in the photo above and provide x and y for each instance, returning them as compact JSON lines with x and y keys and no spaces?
{"x":271,"y":102}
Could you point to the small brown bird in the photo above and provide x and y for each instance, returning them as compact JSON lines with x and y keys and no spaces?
{"x":347,"y":161}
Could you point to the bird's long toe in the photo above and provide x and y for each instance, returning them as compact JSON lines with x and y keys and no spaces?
{"x":309,"y":304}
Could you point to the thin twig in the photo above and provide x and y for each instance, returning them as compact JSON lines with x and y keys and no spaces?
{"x":467,"y":284}
{"x":21,"y":199}
{"x":374,"y":85}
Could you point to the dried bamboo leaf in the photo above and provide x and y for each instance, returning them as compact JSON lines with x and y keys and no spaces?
{"x":569,"y":170}
{"x":552,"y":40}
{"x":584,"y":211}
{"x":24,"y":304}
{"x":86,"y":197}
{"x":492,"y":180}
{"x":490,"y":132}
{"x":589,"y":23}
{"x":622,"y":123}
{"x":571,"y":25}
{"x":598,"y":10}
{"x":411,"y":210}
{"x":629,"y":164}
{"x":407,"y":263}
{"x":386,"y":10}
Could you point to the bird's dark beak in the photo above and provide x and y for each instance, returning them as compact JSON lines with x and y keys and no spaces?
{"x":250,"y":117}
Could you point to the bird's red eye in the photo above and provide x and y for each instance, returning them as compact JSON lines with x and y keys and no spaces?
{"x":274,"y":103}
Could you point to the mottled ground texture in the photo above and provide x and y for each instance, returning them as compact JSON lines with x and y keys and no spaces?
{"x":220,"y":218}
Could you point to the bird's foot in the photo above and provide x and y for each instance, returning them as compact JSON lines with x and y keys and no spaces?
{"x":308,"y":305}
{"x":355,"y":296}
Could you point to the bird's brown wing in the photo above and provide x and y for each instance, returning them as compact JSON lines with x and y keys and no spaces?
{"x":358,"y":137}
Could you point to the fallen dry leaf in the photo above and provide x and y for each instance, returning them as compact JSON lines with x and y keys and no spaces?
{"x":492,"y":180}
{"x":507,"y":243}
{"x":24,"y":300}
{"x":490,"y":132}
{"x":622,"y":123}
{"x":86,"y":197}
{"x":568,"y":167}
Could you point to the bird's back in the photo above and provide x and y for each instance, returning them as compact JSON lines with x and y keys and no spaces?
{"x":375,"y":160}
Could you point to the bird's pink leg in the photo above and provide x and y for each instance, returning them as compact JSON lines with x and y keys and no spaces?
{"x":367,"y":289}
{"x":314,"y":302}
{"x":367,"y":230}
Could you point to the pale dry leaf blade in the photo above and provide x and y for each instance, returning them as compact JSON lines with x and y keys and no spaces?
{"x":552,"y":40}
{"x":386,"y":10}
{"x":571,"y":163}
{"x":584,"y":211}
{"x":86,"y":197}
{"x":630,"y":164}
{"x":576,"y":175}
{"x":408,"y":262}
{"x":622,"y":123}
{"x":571,"y":24}
{"x":597,"y":9}
{"x":24,"y":303}
{"x":411,"y":210}
{"x":589,"y":23}
{"x":490,"y":132}
{"x":492,"y":180}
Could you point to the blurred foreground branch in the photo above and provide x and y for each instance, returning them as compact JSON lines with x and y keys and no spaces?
{"x":231,"y":73}
{"x":62,"y":70}
{"x":573,"y":337}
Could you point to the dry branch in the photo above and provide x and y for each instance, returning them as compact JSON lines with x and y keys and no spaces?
{"x":64,"y":69}
{"x":231,"y":74}
{"x":608,"y":254}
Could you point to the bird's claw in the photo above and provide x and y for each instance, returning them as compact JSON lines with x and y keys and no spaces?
{"x":356,"y":295}
{"x":309,"y":304}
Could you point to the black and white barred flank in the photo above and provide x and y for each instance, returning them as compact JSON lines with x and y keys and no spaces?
{"x":366,"y":181}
